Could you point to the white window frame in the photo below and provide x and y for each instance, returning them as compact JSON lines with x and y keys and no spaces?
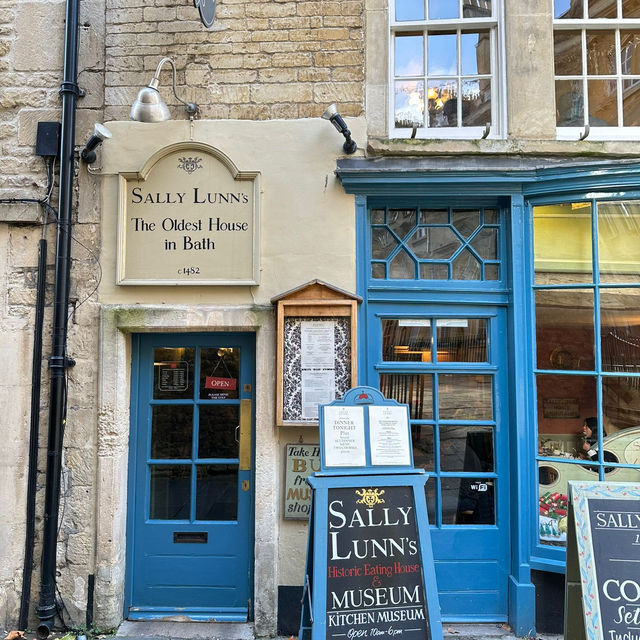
{"x":593,"y":24}
{"x":495,"y":25}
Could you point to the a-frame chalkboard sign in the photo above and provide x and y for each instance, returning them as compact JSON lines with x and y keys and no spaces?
{"x":369,"y":570}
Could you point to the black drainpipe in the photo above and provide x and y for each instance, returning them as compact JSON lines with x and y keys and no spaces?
{"x":58,"y":362}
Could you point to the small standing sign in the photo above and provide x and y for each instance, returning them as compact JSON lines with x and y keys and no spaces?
{"x":602,"y":597}
{"x":370,"y":571}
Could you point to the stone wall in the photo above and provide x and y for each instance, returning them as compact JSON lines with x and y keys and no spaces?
{"x":260,"y":60}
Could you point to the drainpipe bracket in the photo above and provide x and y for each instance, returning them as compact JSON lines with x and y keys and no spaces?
{"x":61,"y":362}
{"x":72,"y":87}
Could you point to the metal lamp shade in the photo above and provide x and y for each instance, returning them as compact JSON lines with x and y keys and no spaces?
{"x":149,"y":107}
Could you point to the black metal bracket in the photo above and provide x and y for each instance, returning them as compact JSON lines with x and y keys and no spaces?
{"x":60,"y":362}
{"x":72,"y":87}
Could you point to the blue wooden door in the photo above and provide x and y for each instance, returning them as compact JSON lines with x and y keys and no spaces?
{"x":190,"y":501}
{"x":448,"y":363}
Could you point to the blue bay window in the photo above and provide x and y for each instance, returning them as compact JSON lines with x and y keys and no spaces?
{"x":501,"y":301}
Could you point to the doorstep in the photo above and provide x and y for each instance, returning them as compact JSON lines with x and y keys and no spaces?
{"x":174,"y":630}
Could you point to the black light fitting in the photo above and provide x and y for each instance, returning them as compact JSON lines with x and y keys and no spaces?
{"x":100,"y":133}
{"x":331,"y":114}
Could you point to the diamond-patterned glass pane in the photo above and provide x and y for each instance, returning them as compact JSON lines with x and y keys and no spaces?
{"x":382,"y":243}
{"x":401,"y":222}
{"x":433,"y":216}
{"x":486,"y":244}
{"x":402,"y":267}
{"x":466,"y":267}
{"x":433,"y":243}
{"x":466,"y":222}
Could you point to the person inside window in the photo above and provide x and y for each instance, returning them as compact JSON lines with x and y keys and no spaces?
{"x":589,"y":433}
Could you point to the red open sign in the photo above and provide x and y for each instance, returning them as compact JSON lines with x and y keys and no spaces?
{"x":213,"y":382}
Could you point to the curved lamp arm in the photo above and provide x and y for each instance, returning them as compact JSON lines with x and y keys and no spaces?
{"x":190,"y":107}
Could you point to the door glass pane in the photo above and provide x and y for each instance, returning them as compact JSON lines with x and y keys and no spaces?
{"x":217,"y":436}
{"x":620,"y":330}
{"x":402,"y":267}
{"x":465,"y":397}
{"x":564,"y":329}
{"x":422,"y":439}
{"x":564,"y":402}
{"x":619,"y":241}
{"x":217,"y":492}
{"x":461,"y":340}
{"x":465,"y":222}
{"x":466,"y":267}
{"x":464,"y":448}
{"x":173,"y":373}
{"x":219,"y":373}
{"x":434,"y":271}
{"x":171,"y":431}
{"x":430,"y":496}
{"x":414,"y":390}
{"x":406,"y":339}
{"x":382,"y":243}
{"x":401,"y":222}
{"x":562,"y":243}
{"x":434,"y":243}
{"x":170,"y":494}
{"x":486,"y":244}
{"x":468,"y":501}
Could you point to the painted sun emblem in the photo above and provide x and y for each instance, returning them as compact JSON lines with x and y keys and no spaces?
{"x":370,"y":497}
{"x":189,"y":164}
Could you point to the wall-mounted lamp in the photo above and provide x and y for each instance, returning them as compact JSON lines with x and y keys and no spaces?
{"x":100,"y":133}
{"x":149,"y":105}
{"x":331,"y":114}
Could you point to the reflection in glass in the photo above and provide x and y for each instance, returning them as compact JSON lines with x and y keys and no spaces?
{"x":562,"y":243}
{"x":409,"y":54}
{"x":406,"y":340}
{"x":414,"y":390}
{"x":170,"y":492}
{"x":382,"y":243}
{"x":433,"y":243}
{"x":378,"y":270}
{"x":620,"y":330}
{"x":564,"y":329}
{"x":476,"y":9}
{"x":422,"y":439}
{"x":491,"y":272}
{"x":219,"y":373}
{"x":553,"y":479}
{"x":564,"y":402}
{"x":567,"y":9}
{"x":476,"y":102}
{"x":621,"y":410}
{"x":569,"y":103}
{"x":433,"y":216}
{"x":442,"y":103}
{"x":461,"y":340}
{"x":466,"y":448}
{"x":171,"y":432}
{"x":217,"y":492}
{"x":486,"y":244}
{"x":631,"y":8}
{"x":217,"y":435}
{"x":466,"y":222}
{"x":465,"y":397}
{"x":409,"y":10}
{"x":443,"y":9}
{"x":475,"y":53}
{"x":401,"y":221}
{"x":430,"y":496}
{"x":567,"y":53}
{"x":468,"y":501}
{"x":618,"y":246}
{"x":602,"y":9}
{"x":630,"y":108}
{"x":442,"y":57}
{"x":601,"y":53}
{"x":409,"y":103}
{"x":377,"y":216}
{"x":434,"y":271}
{"x":603,"y":103}
{"x":173,"y":373}
{"x":466,"y":267}
{"x":402,"y":267}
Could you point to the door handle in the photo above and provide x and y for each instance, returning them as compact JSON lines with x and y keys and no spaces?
{"x":245,"y":435}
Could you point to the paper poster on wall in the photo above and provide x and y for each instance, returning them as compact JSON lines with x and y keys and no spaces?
{"x":344,"y":436}
{"x":317,"y":344}
{"x":389,"y":435}
{"x":318,"y":387}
